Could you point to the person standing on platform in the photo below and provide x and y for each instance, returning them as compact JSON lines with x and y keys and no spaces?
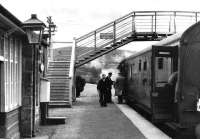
{"x":119,"y":87}
{"x":109,"y":83}
{"x":102,"y":90}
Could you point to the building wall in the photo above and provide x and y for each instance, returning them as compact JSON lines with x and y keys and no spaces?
{"x":9,"y":124}
{"x":19,"y":93}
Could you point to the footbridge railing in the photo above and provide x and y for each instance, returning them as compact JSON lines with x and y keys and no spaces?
{"x":149,"y":23}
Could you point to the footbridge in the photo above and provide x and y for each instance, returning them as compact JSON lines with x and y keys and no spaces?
{"x":135,"y":26}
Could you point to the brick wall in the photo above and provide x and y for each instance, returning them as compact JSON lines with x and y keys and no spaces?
{"x":9,"y":124}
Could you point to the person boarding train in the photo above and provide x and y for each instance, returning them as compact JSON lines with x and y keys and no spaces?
{"x":119,"y":87}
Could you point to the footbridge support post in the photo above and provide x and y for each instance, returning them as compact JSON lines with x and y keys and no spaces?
{"x":72,"y":74}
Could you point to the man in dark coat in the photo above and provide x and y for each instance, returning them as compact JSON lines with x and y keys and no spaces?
{"x":102,"y":89}
{"x":109,"y":84}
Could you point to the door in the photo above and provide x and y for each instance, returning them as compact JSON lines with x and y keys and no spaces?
{"x":164,"y":63}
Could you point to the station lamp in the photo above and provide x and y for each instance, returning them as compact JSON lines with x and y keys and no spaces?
{"x":34,"y":29}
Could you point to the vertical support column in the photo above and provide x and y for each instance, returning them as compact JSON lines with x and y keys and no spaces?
{"x":133,"y":23}
{"x":196,"y":17}
{"x":174,"y":22}
{"x":170,"y":20}
{"x":95,"y":40}
{"x":27,"y":91}
{"x":155,"y":25}
{"x":72,"y":77}
{"x":114,"y":32}
{"x":152,"y":23}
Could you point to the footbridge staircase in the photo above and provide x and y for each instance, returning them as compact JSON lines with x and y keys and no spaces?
{"x":61,"y":76}
{"x":135,"y":26}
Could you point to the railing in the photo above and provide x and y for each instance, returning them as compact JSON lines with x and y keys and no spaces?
{"x":72,"y":94}
{"x":167,"y":22}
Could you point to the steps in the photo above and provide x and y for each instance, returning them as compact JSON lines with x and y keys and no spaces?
{"x":58,"y":75}
{"x":59,"y":104}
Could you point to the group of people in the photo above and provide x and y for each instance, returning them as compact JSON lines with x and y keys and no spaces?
{"x":104,"y":87}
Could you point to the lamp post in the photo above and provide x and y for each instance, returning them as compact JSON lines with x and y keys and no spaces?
{"x":34,"y":29}
{"x":51,"y":29}
{"x":35,"y":32}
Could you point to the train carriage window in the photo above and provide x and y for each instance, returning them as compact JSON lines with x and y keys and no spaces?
{"x":140,"y":65}
{"x":145,"y":65}
{"x":160,"y":63}
{"x":130,"y":72}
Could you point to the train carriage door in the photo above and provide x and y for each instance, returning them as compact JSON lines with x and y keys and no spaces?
{"x":164,"y":63}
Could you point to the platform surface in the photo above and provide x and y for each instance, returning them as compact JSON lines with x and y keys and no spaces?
{"x":87,"y":120}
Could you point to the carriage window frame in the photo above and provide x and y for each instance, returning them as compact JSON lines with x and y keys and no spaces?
{"x":140,"y":65}
{"x":145,"y":65}
{"x":160,"y":63}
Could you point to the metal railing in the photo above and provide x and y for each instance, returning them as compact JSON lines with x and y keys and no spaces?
{"x":165,"y":22}
{"x":72,"y":93}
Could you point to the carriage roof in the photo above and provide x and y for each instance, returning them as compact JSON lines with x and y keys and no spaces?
{"x":171,"y":40}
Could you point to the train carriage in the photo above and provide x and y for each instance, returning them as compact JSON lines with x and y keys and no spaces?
{"x":164,"y":80}
{"x":147,"y":73}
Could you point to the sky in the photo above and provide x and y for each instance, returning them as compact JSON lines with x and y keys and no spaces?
{"x":75,"y":18}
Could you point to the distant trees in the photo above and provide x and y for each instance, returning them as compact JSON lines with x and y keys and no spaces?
{"x":92,"y":70}
{"x":90,"y":74}
{"x":95,"y":73}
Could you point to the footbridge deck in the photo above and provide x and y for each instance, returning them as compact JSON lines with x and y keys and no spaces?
{"x":135,"y":26}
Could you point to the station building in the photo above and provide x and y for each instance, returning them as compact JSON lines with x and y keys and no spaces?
{"x":22,"y":66}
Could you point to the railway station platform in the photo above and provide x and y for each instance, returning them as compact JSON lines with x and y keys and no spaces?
{"x":87,"y":120}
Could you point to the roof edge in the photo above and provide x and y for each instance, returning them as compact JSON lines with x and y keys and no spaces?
{"x":10,"y":16}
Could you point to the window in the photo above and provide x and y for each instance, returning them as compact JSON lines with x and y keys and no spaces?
{"x":145,"y":65}
{"x":1,"y":46}
{"x":140,"y":65}
{"x":133,"y":69}
{"x":11,"y":74}
{"x":160,"y":63}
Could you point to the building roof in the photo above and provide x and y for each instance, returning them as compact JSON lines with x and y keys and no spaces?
{"x":10,"y":16}
{"x":33,"y":21}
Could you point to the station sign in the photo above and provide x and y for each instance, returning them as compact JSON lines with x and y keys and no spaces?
{"x":106,"y":36}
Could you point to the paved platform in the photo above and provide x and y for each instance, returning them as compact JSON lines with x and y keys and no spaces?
{"x":87,"y":120}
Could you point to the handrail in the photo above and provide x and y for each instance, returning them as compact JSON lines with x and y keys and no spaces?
{"x":136,"y":22}
{"x":71,"y":72}
{"x":134,"y":13}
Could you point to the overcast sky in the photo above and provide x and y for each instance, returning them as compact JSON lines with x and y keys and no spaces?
{"x":78,"y":17}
